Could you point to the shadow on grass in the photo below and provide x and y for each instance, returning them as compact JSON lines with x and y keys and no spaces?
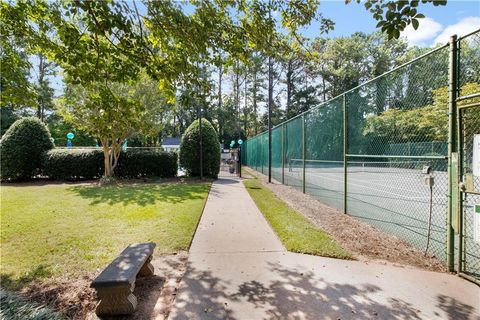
{"x":142,"y":194}
{"x":10,"y":283}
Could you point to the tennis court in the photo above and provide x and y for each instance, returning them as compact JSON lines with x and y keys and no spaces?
{"x":388,"y":129}
{"x":389,"y":195}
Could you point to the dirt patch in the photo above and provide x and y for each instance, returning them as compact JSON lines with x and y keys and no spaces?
{"x":76,"y":300}
{"x":363,"y":240}
{"x":73,"y":299}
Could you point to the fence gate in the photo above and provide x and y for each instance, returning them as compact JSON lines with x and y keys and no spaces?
{"x":229,"y":162}
{"x":466,"y":166}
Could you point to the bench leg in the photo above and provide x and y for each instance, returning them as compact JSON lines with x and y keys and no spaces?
{"x":147,"y":268}
{"x":116,"y":300}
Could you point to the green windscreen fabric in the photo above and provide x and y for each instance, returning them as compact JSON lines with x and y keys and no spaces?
{"x":324,"y":176}
{"x":400,"y":118}
{"x":277,"y":153}
{"x":293,"y":172}
{"x":397,"y":127}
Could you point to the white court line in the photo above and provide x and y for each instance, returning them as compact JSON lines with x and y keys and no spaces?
{"x":368,"y":173}
{"x":387,"y":192}
{"x":423,"y":197}
{"x":369,"y":180}
{"x":363,"y":180}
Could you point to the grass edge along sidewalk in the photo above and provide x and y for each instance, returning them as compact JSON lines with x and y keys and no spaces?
{"x":295,"y":231}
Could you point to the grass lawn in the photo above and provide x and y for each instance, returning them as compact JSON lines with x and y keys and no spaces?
{"x":68,"y":229}
{"x":294,"y":230}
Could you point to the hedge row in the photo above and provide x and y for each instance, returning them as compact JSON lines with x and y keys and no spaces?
{"x":75,"y":164}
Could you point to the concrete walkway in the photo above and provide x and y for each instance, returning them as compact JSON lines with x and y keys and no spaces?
{"x":238,"y":269}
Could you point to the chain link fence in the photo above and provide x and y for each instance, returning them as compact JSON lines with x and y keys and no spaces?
{"x":375,"y":150}
{"x":469,"y":116}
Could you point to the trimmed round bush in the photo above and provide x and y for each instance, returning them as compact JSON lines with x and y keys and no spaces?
{"x":78,"y":164}
{"x":22,"y":147}
{"x":190,"y":150}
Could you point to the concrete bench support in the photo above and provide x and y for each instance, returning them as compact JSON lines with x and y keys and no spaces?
{"x":116,"y":300}
{"x":116,"y":282}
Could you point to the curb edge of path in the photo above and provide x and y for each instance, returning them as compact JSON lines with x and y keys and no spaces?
{"x":200,"y":218}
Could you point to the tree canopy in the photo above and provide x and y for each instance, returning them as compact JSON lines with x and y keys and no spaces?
{"x":144,"y":68}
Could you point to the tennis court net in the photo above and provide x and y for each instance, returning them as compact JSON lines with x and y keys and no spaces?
{"x":360,"y":166}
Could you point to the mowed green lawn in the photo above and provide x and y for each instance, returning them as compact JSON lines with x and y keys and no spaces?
{"x":295,"y":231}
{"x":68,"y":229}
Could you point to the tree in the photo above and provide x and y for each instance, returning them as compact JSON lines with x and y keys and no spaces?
{"x":7,"y":118}
{"x":43,"y":90}
{"x":421,"y":124}
{"x":102,"y":48}
{"x":394,"y":16}
{"x":257,"y":87}
{"x":59,"y":128}
{"x":102,"y":44}
{"x":343,"y":62}
{"x":15,"y":89}
{"x":113,"y":112}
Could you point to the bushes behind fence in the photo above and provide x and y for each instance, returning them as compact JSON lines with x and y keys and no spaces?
{"x":76,"y":164}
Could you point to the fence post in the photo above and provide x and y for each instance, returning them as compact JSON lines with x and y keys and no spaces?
{"x":452,"y":154}
{"x":303,"y":151}
{"x":283,"y":153}
{"x":458,"y":174}
{"x":345,"y":151}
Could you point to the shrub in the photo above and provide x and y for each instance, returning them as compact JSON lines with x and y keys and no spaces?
{"x":22,"y":148}
{"x":147,"y":163}
{"x":75,"y":164}
{"x":15,"y":307}
{"x":190,"y":150}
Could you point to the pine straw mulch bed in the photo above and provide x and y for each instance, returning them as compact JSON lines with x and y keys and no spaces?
{"x":76,"y":300}
{"x":363,"y":240}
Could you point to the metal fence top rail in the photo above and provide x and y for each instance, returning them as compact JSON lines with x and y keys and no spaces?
{"x":100,"y":147}
{"x":322,"y":104}
{"x":468,"y":34}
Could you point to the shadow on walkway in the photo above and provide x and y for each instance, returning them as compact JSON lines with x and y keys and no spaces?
{"x":301,"y":295}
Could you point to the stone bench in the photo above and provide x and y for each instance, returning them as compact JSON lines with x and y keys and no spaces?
{"x":115,"y":284}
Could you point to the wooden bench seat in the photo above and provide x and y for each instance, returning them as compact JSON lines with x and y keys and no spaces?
{"x":115,"y":284}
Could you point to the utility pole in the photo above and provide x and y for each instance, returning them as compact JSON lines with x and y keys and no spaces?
{"x":200,"y":128}
{"x":270,"y":102}
{"x":201,"y":142}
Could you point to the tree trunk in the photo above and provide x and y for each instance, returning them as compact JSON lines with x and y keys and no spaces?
{"x":108,"y":171}
{"x":111,"y":154}
{"x":41,"y":76}
{"x":237,"y":95}
{"x":255,"y":124}
{"x":220,"y":102}
{"x":289,"y":87}
{"x":220,"y":87}
{"x":245,"y":108}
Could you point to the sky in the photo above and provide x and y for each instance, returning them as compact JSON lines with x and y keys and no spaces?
{"x":457,"y":17}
